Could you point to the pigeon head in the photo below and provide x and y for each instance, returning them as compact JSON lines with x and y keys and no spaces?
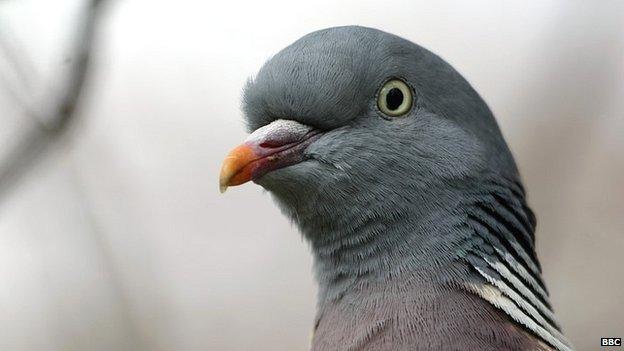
{"x":351,"y":120}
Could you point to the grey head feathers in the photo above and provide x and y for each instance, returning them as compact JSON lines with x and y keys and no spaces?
{"x":431,"y":196}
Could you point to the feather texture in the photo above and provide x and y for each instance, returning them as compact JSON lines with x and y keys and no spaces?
{"x":502,"y":251}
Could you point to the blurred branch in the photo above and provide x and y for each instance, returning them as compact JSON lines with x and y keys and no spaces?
{"x":15,"y":56}
{"x":23,"y":73}
{"x":39,"y":138}
{"x":49,"y":127}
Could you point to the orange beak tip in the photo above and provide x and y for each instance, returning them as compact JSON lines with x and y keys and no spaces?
{"x":233,"y":171}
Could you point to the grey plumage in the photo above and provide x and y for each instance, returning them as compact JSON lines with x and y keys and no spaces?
{"x":419,"y":227}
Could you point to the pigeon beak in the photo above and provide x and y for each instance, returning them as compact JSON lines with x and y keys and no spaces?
{"x":277,"y":145}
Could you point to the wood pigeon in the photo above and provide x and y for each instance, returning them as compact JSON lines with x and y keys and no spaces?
{"x":395,"y":171}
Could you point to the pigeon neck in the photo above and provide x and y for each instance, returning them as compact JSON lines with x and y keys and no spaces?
{"x":367,"y":245}
{"x":422,"y":241}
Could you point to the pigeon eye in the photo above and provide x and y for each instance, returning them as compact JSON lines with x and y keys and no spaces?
{"x":395,"y":98}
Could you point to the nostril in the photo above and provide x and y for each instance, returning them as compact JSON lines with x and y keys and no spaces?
{"x":271,"y":144}
{"x":282,"y":140}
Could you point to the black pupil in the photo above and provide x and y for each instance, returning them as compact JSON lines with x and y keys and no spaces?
{"x":394,"y":99}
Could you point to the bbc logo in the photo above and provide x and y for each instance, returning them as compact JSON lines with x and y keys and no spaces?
{"x":610,"y":341}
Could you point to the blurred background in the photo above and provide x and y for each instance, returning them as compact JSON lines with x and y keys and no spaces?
{"x":115,"y":116}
